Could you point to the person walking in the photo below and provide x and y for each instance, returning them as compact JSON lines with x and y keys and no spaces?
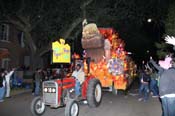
{"x":33,"y":83}
{"x":2,"y":85}
{"x":154,"y":84}
{"x":38,"y":80}
{"x":7,"y":78}
{"x":144,"y":86}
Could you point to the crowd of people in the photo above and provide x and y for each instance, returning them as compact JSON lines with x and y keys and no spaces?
{"x":159,"y":79}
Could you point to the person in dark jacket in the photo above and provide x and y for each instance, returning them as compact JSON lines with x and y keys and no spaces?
{"x":144,"y":85}
{"x":33,"y":82}
{"x":158,"y":67}
{"x":167,"y":90}
{"x":38,"y":80}
{"x":154,"y":83}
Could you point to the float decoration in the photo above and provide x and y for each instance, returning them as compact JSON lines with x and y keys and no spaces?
{"x":61,"y":52}
{"x":109,"y":58}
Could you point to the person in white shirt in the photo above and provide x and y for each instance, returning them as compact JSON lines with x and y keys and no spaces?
{"x":7,"y":78}
{"x":79,"y":75}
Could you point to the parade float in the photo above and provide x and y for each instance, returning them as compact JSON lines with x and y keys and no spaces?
{"x":110,"y":62}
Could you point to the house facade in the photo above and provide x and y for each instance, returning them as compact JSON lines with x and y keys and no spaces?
{"x":13,"y":52}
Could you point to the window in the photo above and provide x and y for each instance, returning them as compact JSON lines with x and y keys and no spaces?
{"x":5,"y":63}
{"x":21,"y":39}
{"x":4,"y":32}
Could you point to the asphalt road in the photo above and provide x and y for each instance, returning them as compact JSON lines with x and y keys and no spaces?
{"x":120,"y":105}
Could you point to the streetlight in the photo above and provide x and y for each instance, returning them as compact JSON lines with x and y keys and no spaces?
{"x":149,"y":20}
{"x":147,"y":51}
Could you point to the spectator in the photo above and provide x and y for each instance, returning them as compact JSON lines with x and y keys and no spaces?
{"x":154,"y":84}
{"x":33,"y":82}
{"x":45,"y":75}
{"x":7,"y":78}
{"x":167,"y":90}
{"x":144,"y":85}
{"x":2,"y":85}
{"x":159,"y":68}
{"x":38,"y":80}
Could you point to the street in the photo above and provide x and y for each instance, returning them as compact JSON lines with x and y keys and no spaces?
{"x":120,"y":105}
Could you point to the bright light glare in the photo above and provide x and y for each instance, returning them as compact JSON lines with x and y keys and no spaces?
{"x":149,"y":20}
{"x":45,"y":89}
{"x":53,"y":90}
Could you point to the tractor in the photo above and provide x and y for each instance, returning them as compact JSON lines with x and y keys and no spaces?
{"x":61,"y":93}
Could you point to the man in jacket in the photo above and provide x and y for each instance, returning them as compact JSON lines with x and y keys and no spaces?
{"x":144,"y":85}
{"x":167,"y":90}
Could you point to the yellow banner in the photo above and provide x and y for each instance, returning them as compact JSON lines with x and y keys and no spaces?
{"x":61,"y":52}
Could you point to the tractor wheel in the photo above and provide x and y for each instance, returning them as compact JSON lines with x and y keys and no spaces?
{"x":72,"y":108}
{"x":94,"y":93}
{"x":37,"y":106}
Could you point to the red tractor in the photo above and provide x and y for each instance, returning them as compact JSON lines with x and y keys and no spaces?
{"x":60,"y":92}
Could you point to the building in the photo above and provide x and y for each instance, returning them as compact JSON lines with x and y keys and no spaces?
{"x":13,"y":52}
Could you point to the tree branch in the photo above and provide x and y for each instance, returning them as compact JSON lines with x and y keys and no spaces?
{"x":21,"y":8}
{"x":16,"y":23}
{"x":83,"y":7}
{"x":38,"y":20}
{"x":44,"y":50}
{"x":71,"y":27}
{"x":65,"y":36}
{"x":23,"y":19}
{"x":30,"y":41}
{"x":86,"y":4}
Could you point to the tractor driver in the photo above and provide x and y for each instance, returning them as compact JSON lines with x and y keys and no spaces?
{"x":79,"y":75}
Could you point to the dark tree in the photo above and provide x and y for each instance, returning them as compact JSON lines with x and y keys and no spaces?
{"x":43,"y":21}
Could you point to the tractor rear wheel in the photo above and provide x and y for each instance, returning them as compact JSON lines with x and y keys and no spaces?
{"x":94,"y":93}
{"x":72,"y":108}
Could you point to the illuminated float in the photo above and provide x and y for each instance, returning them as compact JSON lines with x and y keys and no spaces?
{"x":110,"y":62}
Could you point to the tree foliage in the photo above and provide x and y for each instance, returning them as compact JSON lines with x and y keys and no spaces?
{"x":170,"y":21}
{"x":44,"y":21}
{"x":162,"y":48}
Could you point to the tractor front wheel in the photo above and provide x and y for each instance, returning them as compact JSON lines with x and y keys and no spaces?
{"x":72,"y":108}
{"x":37,"y":106}
{"x":94,"y":93}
